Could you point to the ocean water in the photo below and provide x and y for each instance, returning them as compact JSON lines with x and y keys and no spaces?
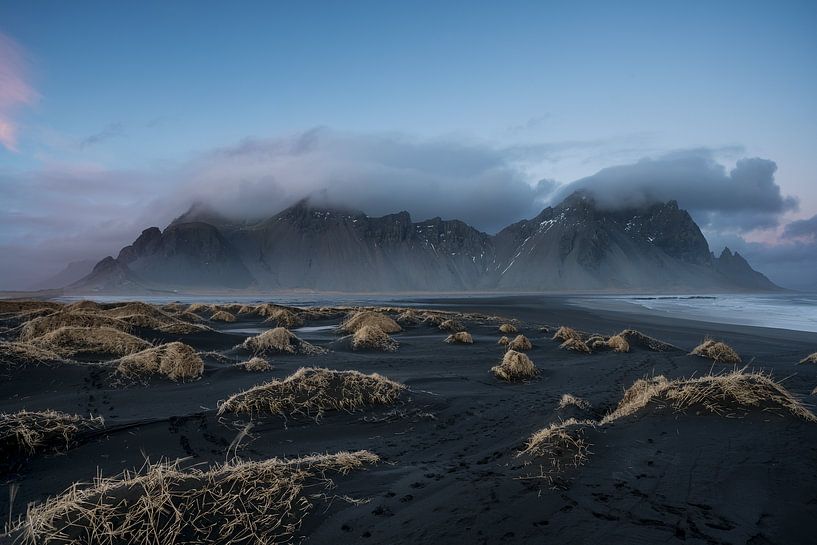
{"x":783,"y":310}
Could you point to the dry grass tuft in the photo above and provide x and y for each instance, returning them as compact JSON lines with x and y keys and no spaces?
{"x":20,"y":353}
{"x":198,"y":308}
{"x":809,"y":359}
{"x":717,"y":351}
{"x":166,"y":324}
{"x":363,"y":318}
{"x":503,"y":340}
{"x":25,"y":433}
{"x":452,"y":326}
{"x":636,"y":338}
{"x":562,"y":443}
{"x":520,"y":344}
{"x":284,"y":318}
{"x":565,"y":333}
{"x":460,"y":337}
{"x":569,"y":400}
{"x":617,"y":343}
{"x":261,"y":502}
{"x":46,"y":324}
{"x":257,"y":364}
{"x":597,"y":343}
{"x":280,"y":340}
{"x":137,"y":307}
{"x":189,"y":317}
{"x":408,"y":317}
{"x":174,"y":308}
{"x":515,"y":367}
{"x":722,"y":394}
{"x":84,"y":305}
{"x":312,"y":391}
{"x":72,"y":341}
{"x":576,"y":345}
{"x":222,"y":316}
{"x":371,"y":337}
{"x":176,"y":361}
{"x":508,"y":328}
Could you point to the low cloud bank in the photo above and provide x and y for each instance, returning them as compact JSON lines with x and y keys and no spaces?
{"x":66,"y":213}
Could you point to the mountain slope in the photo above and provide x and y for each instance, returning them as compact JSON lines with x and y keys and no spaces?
{"x":573,"y":246}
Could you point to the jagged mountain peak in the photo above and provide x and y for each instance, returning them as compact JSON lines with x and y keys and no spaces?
{"x":574,"y":245}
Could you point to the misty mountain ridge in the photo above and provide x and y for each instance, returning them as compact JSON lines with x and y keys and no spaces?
{"x":575,"y":245}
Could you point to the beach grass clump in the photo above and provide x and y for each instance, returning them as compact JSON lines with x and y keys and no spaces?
{"x":222,"y":316}
{"x":176,"y":361}
{"x":199,"y":308}
{"x":617,"y":343}
{"x":515,"y":367}
{"x":46,"y":324}
{"x":520,"y":343}
{"x":25,"y":433}
{"x":508,"y":329}
{"x":188,"y":317}
{"x":717,"y":351}
{"x":282,"y":341}
{"x":452,"y":326}
{"x":504,"y":341}
{"x":363,"y":318}
{"x":370,"y":337}
{"x":636,"y":338}
{"x":137,"y":307}
{"x":575,"y":345}
{"x":562,"y":443}
{"x":460,"y":337}
{"x":809,"y":359}
{"x":256,"y":364}
{"x":73,"y":341}
{"x":283,"y":317}
{"x":238,"y":502}
{"x":569,"y":400}
{"x":723,"y":394}
{"x":84,"y":305}
{"x":565,"y":333}
{"x":165,"y":324}
{"x":312,"y":391}
{"x":408,"y":317}
{"x":22,"y":353}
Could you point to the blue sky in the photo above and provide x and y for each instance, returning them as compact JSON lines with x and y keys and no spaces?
{"x":136,"y":94}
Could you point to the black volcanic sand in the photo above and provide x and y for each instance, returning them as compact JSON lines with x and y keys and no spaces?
{"x":450,"y":471}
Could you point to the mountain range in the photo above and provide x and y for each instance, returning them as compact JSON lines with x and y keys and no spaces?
{"x":575,"y":245}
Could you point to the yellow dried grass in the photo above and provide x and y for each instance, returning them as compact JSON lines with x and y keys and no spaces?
{"x":460,"y":337}
{"x":370,"y":337}
{"x":515,"y":367}
{"x":717,"y":351}
{"x":520,"y":343}
{"x":312,"y":391}
{"x":239,"y":502}
{"x":176,"y":361}
{"x":280,"y":340}
{"x":507,"y":328}
{"x":72,"y":341}
{"x":363,"y":318}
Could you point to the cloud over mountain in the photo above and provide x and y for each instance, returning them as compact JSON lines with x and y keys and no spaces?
{"x":741,"y":199}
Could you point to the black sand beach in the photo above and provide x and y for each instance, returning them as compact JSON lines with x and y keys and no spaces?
{"x":450,"y":470}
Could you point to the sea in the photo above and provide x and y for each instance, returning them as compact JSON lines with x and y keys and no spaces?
{"x":795,"y":311}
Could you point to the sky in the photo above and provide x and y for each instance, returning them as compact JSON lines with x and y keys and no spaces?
{"x":117,"y":116}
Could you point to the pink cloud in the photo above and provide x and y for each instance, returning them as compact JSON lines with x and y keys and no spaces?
{"x":15,"y":91}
